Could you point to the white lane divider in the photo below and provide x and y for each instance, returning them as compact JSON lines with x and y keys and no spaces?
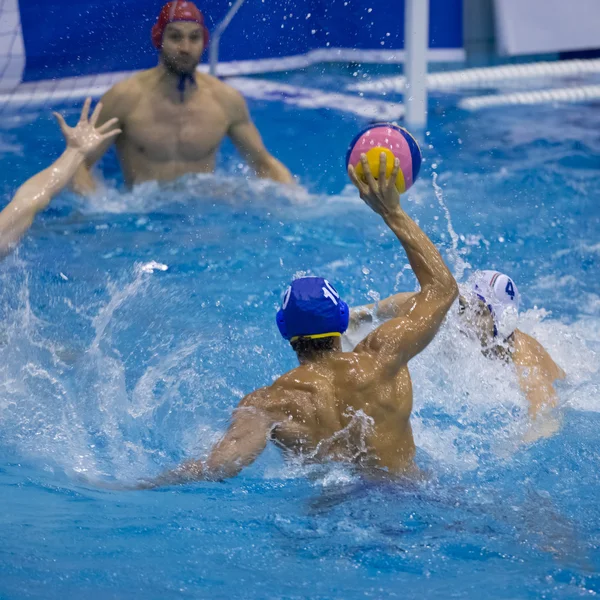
{"x":262,"y":89}
{"x":35,"y":95}
{"x":485,"y":76}
{"x":571,"y":95}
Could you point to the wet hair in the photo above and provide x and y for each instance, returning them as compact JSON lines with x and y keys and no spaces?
{"x":308,"y":348}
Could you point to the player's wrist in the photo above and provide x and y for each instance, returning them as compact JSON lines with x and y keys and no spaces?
{"x":73,"y":155}
{"x":394,"y":216}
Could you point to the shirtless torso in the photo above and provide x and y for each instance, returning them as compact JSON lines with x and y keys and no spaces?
{"x":352,"y":407}
{"x":167,"y":133}
{"x":184,"y":137}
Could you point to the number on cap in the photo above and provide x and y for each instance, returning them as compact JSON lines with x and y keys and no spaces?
{"x":286,"y":297}
{"x":329,"y":292}
{"x":510,"y":290}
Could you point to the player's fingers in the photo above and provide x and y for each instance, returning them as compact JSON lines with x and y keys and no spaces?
{"x":353,"y":176}
{"x":382,"y":168}
{"x":108,"y":125}
{"x":368,"y":175}
{"x":111,"y":134}
{"x":96,"y":114}
{"x":382,"y":171}
{"x":394,"y":174}
{"x":61,"y":122}
{"x":85,"y":111}
{"x":362,"y":188}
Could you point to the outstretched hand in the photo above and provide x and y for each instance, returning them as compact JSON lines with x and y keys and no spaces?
{"x":381,"y":194}
{"x":85,"y":137}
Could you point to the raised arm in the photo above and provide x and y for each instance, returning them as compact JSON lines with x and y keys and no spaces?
{"x":241,"y":445}
{"x":246,"y":138}
{"x":35,"y":194}
{"x":403,"y":337}
{"x":114,"y":105}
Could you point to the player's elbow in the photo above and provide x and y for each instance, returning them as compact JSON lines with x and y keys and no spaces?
{"x":452,"y":291}
{"x":269,"y":167}
{"x":224,"y":471}
{"x":445,"y":293}
{"x":83,"y":181}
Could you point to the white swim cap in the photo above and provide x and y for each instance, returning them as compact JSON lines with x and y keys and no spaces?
{"x":501,"y":295}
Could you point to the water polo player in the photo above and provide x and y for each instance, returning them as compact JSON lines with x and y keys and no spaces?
{"x":347,"y":406}
{"x":489,"y":307}
{"x":173,"y":117}
{"x":490,"y":310}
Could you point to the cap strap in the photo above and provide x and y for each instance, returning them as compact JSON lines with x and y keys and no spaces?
{"x":316,"y":336}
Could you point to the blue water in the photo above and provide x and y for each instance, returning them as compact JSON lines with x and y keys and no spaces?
{"x":112,"y":370}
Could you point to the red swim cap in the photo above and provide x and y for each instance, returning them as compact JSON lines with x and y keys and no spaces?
{"x":178,"y":10}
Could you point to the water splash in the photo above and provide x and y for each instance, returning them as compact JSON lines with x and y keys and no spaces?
{"x":74,"y":409}
{"x":162,"y":354}
{"x":459,"y":264}
{"x":205,"y":189}
{"x":119,"y":296}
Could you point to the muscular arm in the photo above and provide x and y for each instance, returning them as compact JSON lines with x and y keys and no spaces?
{"x":35,"y":194}
{"x":403,"y":337}
{"x":246,"y":138}
{"x":537,"y":373}
{"x":388,"y":308}
{"x":424,"y":312}
{"x":242,"y":443}
{"x":537,"y":387}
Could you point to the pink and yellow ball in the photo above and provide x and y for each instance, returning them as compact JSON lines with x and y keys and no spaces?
{"x":395,"y":142}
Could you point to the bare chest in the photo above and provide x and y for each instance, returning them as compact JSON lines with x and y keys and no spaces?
{"x":163,"y":130}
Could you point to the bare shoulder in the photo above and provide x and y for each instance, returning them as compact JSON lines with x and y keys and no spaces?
{"x":529,"y":352}
{"x":269,"y":398}
{"x":304,"y":385}
{"x":526,"y":346}
{"x":277,"y":401}
{"x":387,"y":334}
{"x":230,"y":99}
{"x":122,"y":97}
{"x":219,"y":88}
{"x":259,"y":399}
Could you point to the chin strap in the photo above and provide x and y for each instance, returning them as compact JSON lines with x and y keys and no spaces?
{"x":181,"y":83}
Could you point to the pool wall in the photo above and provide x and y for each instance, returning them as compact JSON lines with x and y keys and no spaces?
{"x":67,"y":39}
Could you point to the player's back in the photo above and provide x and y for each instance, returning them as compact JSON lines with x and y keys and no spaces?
{"x":347,"y":406}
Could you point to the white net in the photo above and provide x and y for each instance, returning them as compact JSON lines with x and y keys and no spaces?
{"x":12,"y":50}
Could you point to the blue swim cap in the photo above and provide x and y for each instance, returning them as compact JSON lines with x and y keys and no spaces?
{"x":312,"y":308}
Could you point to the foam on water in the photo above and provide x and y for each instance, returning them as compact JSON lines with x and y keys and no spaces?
{"x":207,"y":189}
{"x":469,"y":410}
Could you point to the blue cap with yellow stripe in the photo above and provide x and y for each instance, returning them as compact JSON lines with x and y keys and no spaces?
{"x":312,"y":309}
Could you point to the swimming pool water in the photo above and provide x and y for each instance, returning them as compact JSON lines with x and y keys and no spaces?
{"x":112,"y":369}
